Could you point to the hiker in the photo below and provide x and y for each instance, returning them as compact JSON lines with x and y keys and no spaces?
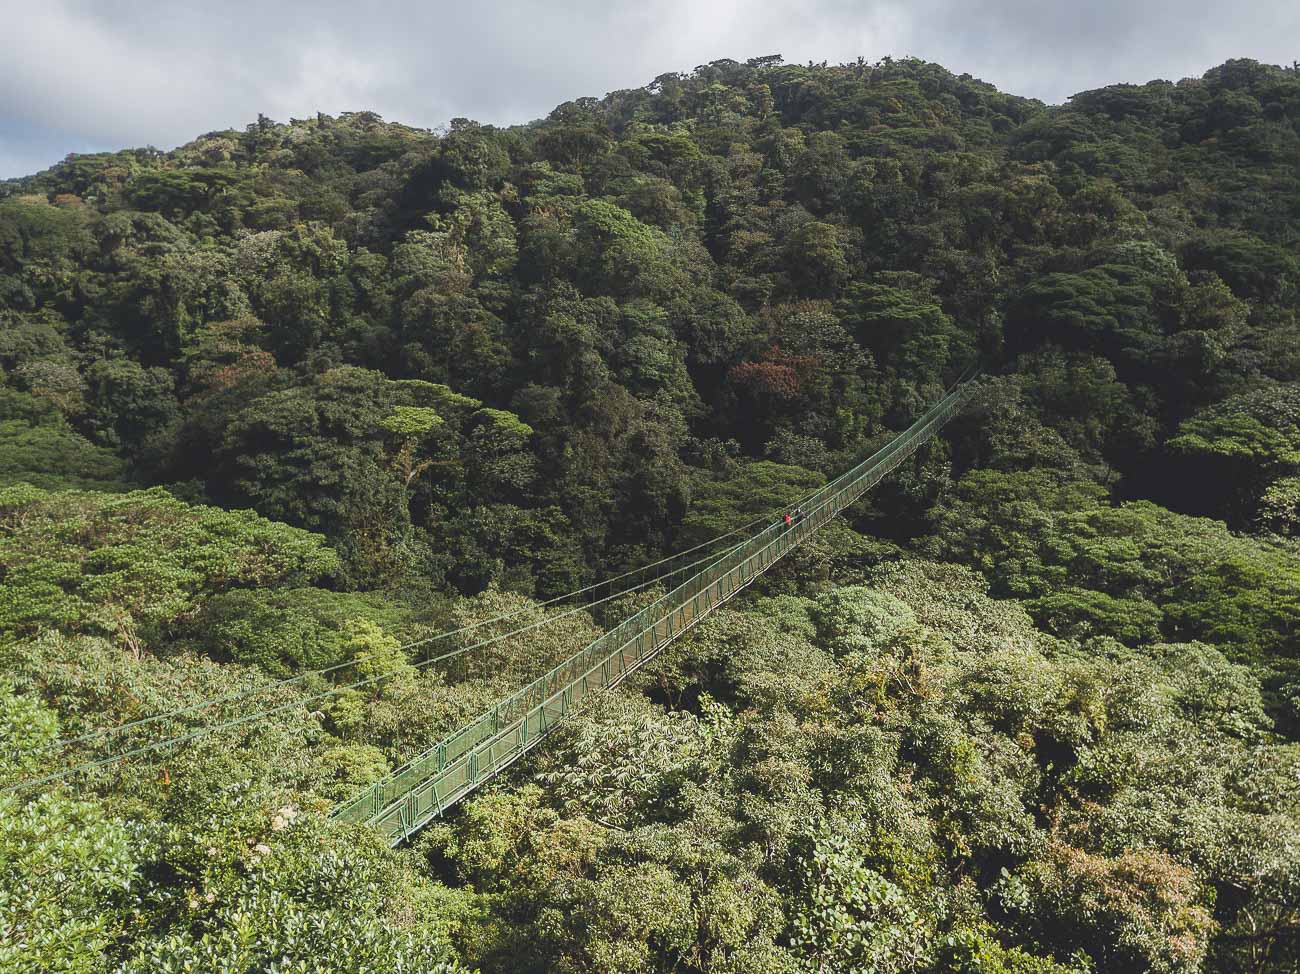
{"x":788,"y":520}
{"x":799,"y":515}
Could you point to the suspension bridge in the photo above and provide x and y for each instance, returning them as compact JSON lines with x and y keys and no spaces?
{"x":425,"y":787}
{"x":698,"y":581}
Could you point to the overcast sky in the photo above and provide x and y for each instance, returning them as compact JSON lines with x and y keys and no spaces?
{"x":86,"y":75}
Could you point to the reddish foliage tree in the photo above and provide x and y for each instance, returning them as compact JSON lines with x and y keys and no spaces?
{"x":766,"y":378}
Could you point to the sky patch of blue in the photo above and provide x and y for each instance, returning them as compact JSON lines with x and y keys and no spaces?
{"x":26,"y":149}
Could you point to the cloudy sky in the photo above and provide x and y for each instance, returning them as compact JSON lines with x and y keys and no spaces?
{"x":84,"y":75}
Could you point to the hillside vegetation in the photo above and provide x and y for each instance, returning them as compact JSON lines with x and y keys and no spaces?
{"x":291,"y":398}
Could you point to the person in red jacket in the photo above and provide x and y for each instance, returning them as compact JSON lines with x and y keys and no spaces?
{"x":788,"y":520}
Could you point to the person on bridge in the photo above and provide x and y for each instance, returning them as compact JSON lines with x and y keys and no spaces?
{"x":787,"y":520}
{"x":799,"y":515}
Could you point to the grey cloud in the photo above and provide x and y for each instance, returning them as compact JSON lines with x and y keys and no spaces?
{"x":112,"y":73}
{"x":1053,"y":49}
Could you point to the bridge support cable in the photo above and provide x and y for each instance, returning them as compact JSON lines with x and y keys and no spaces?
{"x":665,"y":569}
{"x":425,"y":787}
{"x":119,"y":757}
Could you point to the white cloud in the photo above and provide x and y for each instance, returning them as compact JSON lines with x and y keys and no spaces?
{"x":131,"y":72}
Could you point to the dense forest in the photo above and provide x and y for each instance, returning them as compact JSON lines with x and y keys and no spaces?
{"x":289,"y":398}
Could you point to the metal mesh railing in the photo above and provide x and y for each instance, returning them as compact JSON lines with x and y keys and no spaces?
{"x":426,"y":786}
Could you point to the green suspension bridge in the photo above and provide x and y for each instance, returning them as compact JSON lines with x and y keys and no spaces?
{"x":424,"y":788}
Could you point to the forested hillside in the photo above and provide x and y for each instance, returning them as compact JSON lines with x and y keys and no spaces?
{"x":293,"y":397}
